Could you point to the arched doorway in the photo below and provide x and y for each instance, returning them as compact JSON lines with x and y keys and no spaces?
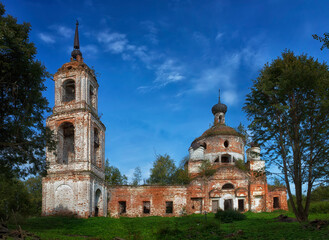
{"x":98,"y":203}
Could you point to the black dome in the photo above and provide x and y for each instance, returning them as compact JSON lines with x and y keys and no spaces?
{"x":219,"y":107}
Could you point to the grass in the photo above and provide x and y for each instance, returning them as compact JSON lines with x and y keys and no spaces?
{"x":256,"y":226}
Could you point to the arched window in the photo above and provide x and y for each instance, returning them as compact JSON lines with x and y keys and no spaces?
{"x":92,"y":96}
{"x":66,"y":143}
{"x":228,"y":186}
{"x":226,"y":158}
{"x":68,"y":90}
{"x":96,"y":157}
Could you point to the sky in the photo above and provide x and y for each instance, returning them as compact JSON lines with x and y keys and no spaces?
{"x":160,"y":63}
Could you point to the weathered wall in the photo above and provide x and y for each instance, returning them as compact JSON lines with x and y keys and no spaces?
{"x":157,"y":195}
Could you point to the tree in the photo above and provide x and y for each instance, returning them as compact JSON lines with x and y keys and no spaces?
{"x":163,"y":170}
{"x":23,"y":135}
{"x":324,"y":40}
{"x":288,"y":107}
{"x":137,"y":176}
{"x":34,"y":187}
{"x":181,"y":176}
{"x":113,"y":175}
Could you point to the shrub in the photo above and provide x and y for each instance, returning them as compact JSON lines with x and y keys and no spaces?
{"x":319,"y":207}
{"x":229,"y":216}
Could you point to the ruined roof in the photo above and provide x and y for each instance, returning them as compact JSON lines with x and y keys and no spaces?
{"x":215,"y":130}
{"x":75,"y":65}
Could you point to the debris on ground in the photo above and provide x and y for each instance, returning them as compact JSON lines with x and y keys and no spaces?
{"x":235,"y":234}
{"x":285,"y":218}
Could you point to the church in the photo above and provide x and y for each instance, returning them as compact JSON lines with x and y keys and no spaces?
{"x":75,"y":182}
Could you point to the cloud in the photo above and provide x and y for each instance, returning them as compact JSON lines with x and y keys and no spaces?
{"x":63,"y":31}
{"x":230,"y":97}
{"x":219,"y":36}
{"x":114,"y":42}
{"x":166,"y":73}
{"x":46,"y":38}
{"x":89,"y":50}
{"x":152,"y":31}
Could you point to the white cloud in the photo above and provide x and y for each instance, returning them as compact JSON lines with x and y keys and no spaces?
{"x":64,"y":31}
{"x":114,"y":42}
{"x":230,"y":97}
{"x":152,"y":31}
{"x":168,"y":72}
{"x":89,"y":50}
{"x":219,"y":36}
{"x":46,"y":38}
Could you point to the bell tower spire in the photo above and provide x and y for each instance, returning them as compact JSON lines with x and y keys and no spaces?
{"x":76,"y":53}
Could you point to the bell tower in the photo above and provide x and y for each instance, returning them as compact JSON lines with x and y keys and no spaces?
{"x":75,"y":177}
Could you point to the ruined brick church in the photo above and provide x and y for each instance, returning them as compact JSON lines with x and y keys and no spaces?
{"x":75,"y":178}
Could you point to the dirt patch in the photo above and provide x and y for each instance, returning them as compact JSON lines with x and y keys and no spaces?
{"x":285,"y":218}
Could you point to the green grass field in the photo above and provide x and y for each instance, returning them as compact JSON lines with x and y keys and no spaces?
{"x":256,"y":226}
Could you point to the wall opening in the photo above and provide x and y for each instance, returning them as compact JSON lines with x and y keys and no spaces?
{"x":226,"y":143}
{"x":228,"y":204}
{"x":241,"y":205}
{"x":122,"y":207}
{"x":228,"y":186}
{"x":146,"y":207}
{"x":197,"y":204}
{"x":217,"y":160}
{"x":68,"y":90}
{"x":225,"y":159}
{"x":215,"y":205}
{"x":169,"y":207}
{"x":97,"y":153}
{"x":66,"y":143}
{"x":98,"y":195}
{"x":276,"y":202}
{"x":92,"y":96}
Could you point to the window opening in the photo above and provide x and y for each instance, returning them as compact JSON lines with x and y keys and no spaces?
{"x":226,"y":144}
{"x":216,"y":160}
{"x":122,"y":207}
{"x":146,"y":207}
{"x":225,"y":159}
{"x":228,"y":186}
{"x":97,"y":158}
{"x":169,"y":207}
{"x":241,"y":205}
{"x":276,"y":202}
{"x":92,"y":96}
{"x":68,"y":90}
{"x":228,"y":204}
{"x":67,"y":143}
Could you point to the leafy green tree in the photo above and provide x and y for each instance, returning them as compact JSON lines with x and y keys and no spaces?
{"x":14,"y":198}
{"x":181,"y":176}
{"x":113,"y":175}
{"x":23,"y":135}
{"x":34,"y":188}
{"x":137,"y":176}
{"x":163,"y":171}
{"x":324,"y":40}
{"x":321,"y":193}
{"x":288,"y":107}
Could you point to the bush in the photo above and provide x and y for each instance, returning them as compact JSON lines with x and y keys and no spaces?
{"x":319,"y":207}
{"x":229,"y":216}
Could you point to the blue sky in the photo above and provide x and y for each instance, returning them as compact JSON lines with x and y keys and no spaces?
{"x":160,"y":63}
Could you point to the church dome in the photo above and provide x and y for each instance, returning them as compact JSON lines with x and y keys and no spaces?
{"x":216,"y":130}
